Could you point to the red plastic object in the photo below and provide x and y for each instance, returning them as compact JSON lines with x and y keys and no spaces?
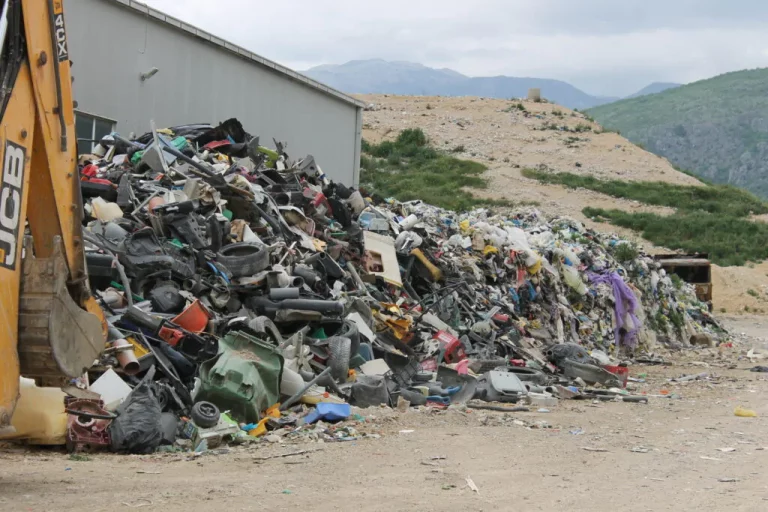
{"x":89,"y":174}
{"x":501,"y":318}
{"x":90,"y":171}
{"x":194,"y":318}
{"x":171,"y":336}
{"x":454,"y":350}
{"x":318,"y":200}
{"x":217,"y":144}
{"x":520,"y":363}
{"x":620,"y":371}
{"x":429,"y":365}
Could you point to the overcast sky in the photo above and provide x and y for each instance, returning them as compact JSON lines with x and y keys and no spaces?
{"x":605,"y":47}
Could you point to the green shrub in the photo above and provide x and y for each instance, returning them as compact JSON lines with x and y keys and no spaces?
{"x":718,"y":199}
{"x":728,"y":239}
{"x":581,"y":127}
{"x":624,"y":252}
{"x":409,"y":168}
{"x":519,"y":106}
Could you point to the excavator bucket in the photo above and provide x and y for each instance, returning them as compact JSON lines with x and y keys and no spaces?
{"x":57,"y":338}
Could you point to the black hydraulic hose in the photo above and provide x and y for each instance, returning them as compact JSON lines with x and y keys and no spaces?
{"x":57,"y":72}
{"x":322,"y":306}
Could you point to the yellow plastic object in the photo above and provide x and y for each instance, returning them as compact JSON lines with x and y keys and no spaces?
{"x":745,"y":413}
{"x":261,"y":427}
{"x":138,"y":349}
{"x":39,"y":417}
{"x":315,"y":396}
{"x":464,"y":225}
{"x":400,"y":327}
{"x":436,"y":273}
{"x":535,"y":268}
{"x":489,"y":249}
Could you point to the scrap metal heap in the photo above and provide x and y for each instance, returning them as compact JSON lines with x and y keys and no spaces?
{"x":242,"y":286}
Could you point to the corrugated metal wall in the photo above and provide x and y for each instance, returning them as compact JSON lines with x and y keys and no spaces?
{"x":111,"y":45}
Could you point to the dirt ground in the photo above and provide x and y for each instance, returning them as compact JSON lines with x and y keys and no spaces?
{"x":685,"y":451}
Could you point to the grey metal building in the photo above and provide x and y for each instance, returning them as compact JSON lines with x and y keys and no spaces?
{"x":115,"y":44}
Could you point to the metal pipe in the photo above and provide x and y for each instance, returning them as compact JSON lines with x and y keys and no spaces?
{"x":126,"y":357}
{"x":283,"y":293}
{"x":322,"y":306}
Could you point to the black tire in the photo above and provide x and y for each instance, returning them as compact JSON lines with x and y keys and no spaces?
{"x":349,"y":330}
{"x":338,"y":360}
{"x":205,"y":414}
{"x":244,"y":258}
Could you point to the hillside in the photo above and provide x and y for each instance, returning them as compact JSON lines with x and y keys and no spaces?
{"x":654,"y":88}
{"x":509,"y":137}
{"x":717,"y":128}
{"x":378,"y":76}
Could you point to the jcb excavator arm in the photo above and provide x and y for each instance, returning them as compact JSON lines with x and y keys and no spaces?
{"x":51,"y":328}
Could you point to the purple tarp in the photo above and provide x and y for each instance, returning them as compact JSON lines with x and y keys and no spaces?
{"x":626,"y":303}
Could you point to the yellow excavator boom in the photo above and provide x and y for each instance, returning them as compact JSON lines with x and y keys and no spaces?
{"x":52,"y":327}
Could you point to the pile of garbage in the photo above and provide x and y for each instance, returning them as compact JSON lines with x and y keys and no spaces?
{"x":247,"y":293}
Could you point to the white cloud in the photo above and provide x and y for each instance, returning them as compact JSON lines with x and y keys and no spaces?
{"x":610,"y":47}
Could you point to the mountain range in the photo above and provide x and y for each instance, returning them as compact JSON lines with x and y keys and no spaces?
{"x":654,"y":88}
{"x":377,"y":76}
{"x":716,"y":128}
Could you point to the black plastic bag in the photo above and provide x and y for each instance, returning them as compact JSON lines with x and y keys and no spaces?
{"x":558,"y":354}
{"x":370,"y":391}
{"x":137,"y":428}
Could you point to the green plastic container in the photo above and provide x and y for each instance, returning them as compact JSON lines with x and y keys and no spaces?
{"x":244,"y":377}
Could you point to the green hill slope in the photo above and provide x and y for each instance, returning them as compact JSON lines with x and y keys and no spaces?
{"x":717,"y":128}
